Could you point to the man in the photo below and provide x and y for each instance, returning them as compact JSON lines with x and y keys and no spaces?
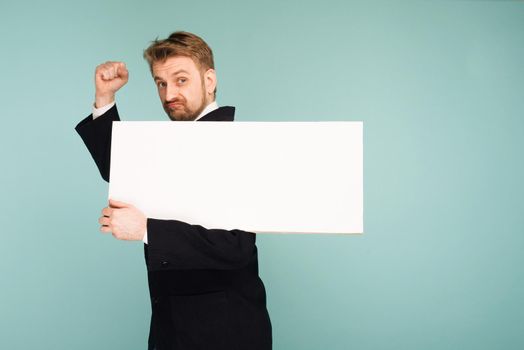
{"x":204,"y":284}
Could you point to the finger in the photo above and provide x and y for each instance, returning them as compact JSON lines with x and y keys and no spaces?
{"x":100,"y":71}
{"x":105,"y":229}
{"x":105,"y":74}
{"x":107,"y":211}
{"x":111,"y":72}
{"x":117,"y":204}
{"x":108,"y":71}
{"x":103,"y":220}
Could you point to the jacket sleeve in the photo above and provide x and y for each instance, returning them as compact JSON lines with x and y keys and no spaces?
{"x":174,"y":244}
{"x":96,"y":135}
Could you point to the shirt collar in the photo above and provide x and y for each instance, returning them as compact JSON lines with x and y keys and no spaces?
{"x":209,"y":108}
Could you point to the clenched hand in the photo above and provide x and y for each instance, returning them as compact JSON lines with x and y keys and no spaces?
{"x":109,"y":78}
{"x":124,"y":220}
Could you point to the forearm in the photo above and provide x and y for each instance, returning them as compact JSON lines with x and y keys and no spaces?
{"x":174,"y":244}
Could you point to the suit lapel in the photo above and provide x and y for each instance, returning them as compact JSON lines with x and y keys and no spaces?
{"x":221,"y":114}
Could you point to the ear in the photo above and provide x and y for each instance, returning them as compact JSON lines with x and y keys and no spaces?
{"x":210,"y":82}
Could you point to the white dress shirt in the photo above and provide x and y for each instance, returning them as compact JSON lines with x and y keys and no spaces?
{"x":97,"y":112}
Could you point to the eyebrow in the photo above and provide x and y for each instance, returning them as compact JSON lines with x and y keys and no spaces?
{"x":180,"y":71}
{"x":174,"y":73}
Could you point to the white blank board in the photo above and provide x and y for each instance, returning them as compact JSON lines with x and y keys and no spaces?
{"x":277,"y":177}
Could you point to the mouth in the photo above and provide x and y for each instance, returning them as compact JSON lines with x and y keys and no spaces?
{"x":175,"y":105}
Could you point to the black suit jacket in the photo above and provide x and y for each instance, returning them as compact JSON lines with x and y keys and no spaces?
{"x":204,"y":284}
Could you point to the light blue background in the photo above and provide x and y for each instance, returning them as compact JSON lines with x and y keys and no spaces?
{"x":439,"y":86}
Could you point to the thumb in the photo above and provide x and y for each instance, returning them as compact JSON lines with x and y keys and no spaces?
{"x":122,"y":71}
{"x":117,"y":204}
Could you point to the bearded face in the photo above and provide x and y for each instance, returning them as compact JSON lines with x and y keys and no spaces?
{"x":183,"y":89}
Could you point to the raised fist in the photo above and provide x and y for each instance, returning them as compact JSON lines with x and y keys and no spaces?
{"x":109,"y":78}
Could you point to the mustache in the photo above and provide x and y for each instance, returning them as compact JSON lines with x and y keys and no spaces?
{"x":175,"y":100}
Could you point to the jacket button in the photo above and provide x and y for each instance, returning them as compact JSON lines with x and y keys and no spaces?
{"x":154,"y":300}
{"x":164,"y":263}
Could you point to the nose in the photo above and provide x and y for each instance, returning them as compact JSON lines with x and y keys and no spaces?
{"x":171,"y":91}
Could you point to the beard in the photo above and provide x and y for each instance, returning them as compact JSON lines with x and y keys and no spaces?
{"x":183,"y":112}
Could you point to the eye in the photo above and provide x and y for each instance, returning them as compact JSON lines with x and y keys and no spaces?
{"x":181,"y":80}
{"x":161,"y":84}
